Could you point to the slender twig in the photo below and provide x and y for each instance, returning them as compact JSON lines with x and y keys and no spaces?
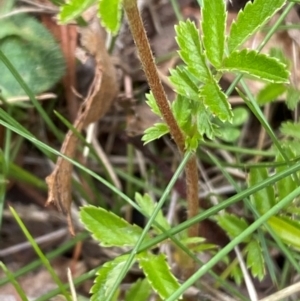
{"x":149,"y":67}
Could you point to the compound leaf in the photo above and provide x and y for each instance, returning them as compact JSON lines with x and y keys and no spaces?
{"x":215,"y":100}
{"x":191,"y":51}
{"x":257,"y":65}
{"x":108,"y":228}
{"x":158,"y":274}
{"x":106,"y":277}
{"x":249,"y":20}
{"x":213,"y":29}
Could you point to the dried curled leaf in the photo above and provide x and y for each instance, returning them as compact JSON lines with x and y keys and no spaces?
{"x":101,"y":94}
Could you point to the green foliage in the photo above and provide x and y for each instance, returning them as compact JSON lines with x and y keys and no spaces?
{"x":255,"y":259}
{"x":230,"y":132}
{"x":232,"y":224}
{"x":270,"y":93}
{"x":197,"y":83}
{"x":108,"y":228}
{"x":32,"y":50}
{"x":249,"y":20}
{"x":140,"y":290}
{"x":73,"y":9}
{"x":158,"y":274}
{"x":264,"y":199}
{"x":257,"y":65}
{"x":106,"y":276}
{"x":155,"y":132}
{"x":191,"y":50}
{"x":111,"y":230}
{"x":287,"y":229}
{"x":213,"y":29}
{"x":109,"y":12}
{"x":147,"y":206}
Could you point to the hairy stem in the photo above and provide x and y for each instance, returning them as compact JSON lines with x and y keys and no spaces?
{"x":149,"y":67}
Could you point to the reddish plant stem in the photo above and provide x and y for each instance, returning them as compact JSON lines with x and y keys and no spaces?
{"x":149,"y":67}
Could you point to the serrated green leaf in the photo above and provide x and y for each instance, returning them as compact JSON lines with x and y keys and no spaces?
{"x":286,"y":185}
{"x":213,"y":29}
{"x":263,"y":199}
{"x":106,"y":277}
{"x":254,"y":15}
{"x":184,"y":83}
{"x":155,"y":132}
{"x":108,"y":228}
{"x":151,"y":102}
{"x":158,"y":274}
{"x":181,"y":108}
{"x":257,"y":65}
{"x":270,"y":93}
{"x":147,"y":206}
{"x":73,"y":9}
{"x":139,"y":291}
{"x":204,"y":125}
{"x":233,"y":225}
{"x":292,"y":98}
{"x":255,"y":259}
{"x":191,"y":51}
{"x":291,"y":129}
{"x":109,"y":12}
{"x":216,"y":100}
{"x":286,"y":229}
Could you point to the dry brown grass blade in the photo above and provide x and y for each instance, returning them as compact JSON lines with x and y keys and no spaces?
{"x":101,"y":94}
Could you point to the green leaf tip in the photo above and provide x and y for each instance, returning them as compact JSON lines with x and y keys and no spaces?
{"x":191,"y":51}
{"x":108,"y":228}
{"x":158,"y":274}
{"x":72,"y":9}
{"x":155,"y":132}
{"x":257,"y":65}
{"x":109,"y":13}
{"x":213,"y":29}
{"x":249,"y":20}
{"x":215,"y":100}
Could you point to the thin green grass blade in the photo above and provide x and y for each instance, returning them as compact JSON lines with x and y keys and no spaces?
{"x":149,"y":224}
{"x":259,"y":222}
{"x":53,"y":254}
{"x":41,"y":255}
{"x":13,"y":281}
